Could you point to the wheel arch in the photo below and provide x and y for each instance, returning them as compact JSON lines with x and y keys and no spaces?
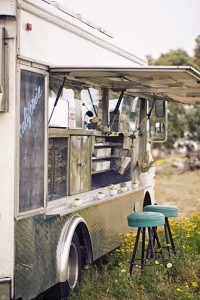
{"x":85,"y":242}
{"x":74,"y":224}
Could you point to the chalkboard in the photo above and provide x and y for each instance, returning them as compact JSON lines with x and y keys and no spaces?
{"x":31,"y":134}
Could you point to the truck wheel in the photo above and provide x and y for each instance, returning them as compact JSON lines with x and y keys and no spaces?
{"x":74,"y":263}
{"x":63,"y":289}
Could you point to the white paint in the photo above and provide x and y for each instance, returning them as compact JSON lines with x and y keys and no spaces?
{"x":70,"y":43}
{"x":7,"y":168}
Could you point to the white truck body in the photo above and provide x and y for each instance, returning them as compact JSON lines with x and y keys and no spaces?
{"x":41,"y":42}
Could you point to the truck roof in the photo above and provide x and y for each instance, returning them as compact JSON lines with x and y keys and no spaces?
{"x":57,"y":35}
{"x":79,"y":17}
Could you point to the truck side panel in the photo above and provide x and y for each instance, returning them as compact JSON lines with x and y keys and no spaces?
{"x":58,"y":35}
{"x":37,"y":241}
{"x":7,"y":161}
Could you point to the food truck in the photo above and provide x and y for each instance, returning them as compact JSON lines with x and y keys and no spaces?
{"x":77,"y":114}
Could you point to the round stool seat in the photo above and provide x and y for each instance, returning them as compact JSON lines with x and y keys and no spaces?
{"x":146,"y":219}
{"x":167,"y":210}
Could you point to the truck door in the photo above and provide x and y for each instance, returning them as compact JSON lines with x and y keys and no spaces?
{"x":80,"y":164}
{"x":32,"y":140}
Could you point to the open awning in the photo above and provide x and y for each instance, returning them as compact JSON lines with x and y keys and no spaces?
{"x":180,"y":83}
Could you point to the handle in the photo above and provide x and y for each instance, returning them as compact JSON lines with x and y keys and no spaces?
{"x":82,"y":164}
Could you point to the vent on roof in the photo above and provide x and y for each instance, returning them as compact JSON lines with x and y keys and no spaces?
{"x":79,"y":17}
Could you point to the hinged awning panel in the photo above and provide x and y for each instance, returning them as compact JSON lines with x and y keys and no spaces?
{"x":181,"y":84}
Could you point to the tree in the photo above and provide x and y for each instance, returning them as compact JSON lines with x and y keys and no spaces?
{"x":197,"y":51}
{"x":180,"y":117}
{"x":193,"y":120}
{"x":177,"y":57}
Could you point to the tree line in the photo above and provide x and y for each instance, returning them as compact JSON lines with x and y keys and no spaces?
{"x":181,"y":118}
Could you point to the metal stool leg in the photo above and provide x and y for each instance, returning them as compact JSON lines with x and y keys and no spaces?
{"x":150,"y":247}
{"x":167,"y":236}
{"x":170,"y":235}
{"x":135,"y":249}
{"x":158,"y":241}
{"x":143,"y":247}
{"x":151,"y":242}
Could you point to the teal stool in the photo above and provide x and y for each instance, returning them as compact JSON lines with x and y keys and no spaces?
{"x":168,"y":211}
{"x":143,"y":220}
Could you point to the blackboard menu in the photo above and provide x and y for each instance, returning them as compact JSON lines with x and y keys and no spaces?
{"x":31,"y":132}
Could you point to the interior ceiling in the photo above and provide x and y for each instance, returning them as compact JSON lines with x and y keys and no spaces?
{"x":180,"y":84}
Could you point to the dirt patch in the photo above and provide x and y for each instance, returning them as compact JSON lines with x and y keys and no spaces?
{"x":181,"y":189}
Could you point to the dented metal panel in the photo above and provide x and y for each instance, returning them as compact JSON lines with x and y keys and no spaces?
{"x":37,"y":240}
{"x":35,"y":255}
{"x":107,"y":222}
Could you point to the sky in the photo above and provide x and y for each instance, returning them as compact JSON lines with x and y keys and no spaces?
{"x":144,"y":27}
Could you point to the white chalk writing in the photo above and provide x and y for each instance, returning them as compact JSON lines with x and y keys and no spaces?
{"x":28,"y":111}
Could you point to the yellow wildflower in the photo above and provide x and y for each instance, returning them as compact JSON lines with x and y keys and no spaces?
{"x":169,"y":265}
{"x":194,"y":283}
{"x":178,"y":290}
{"x":141,"y":286}
{"x":128,"y":234}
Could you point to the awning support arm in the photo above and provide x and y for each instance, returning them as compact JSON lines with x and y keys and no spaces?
{"x":92,"y":102}
{"x":116,"y":108}
{"x":57,"y":97}
{"x":149,"y":113}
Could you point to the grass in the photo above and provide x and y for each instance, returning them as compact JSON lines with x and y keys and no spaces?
{"x":178,"y":277}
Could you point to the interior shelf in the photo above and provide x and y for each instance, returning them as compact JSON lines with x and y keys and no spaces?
{"x":101,"y":171}
{"x":107,"y":145}
{"x":105,"y":157}
{"x":107,"y":162}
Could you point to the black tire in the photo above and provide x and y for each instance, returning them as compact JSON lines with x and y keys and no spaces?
{"x":63,"y":289}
